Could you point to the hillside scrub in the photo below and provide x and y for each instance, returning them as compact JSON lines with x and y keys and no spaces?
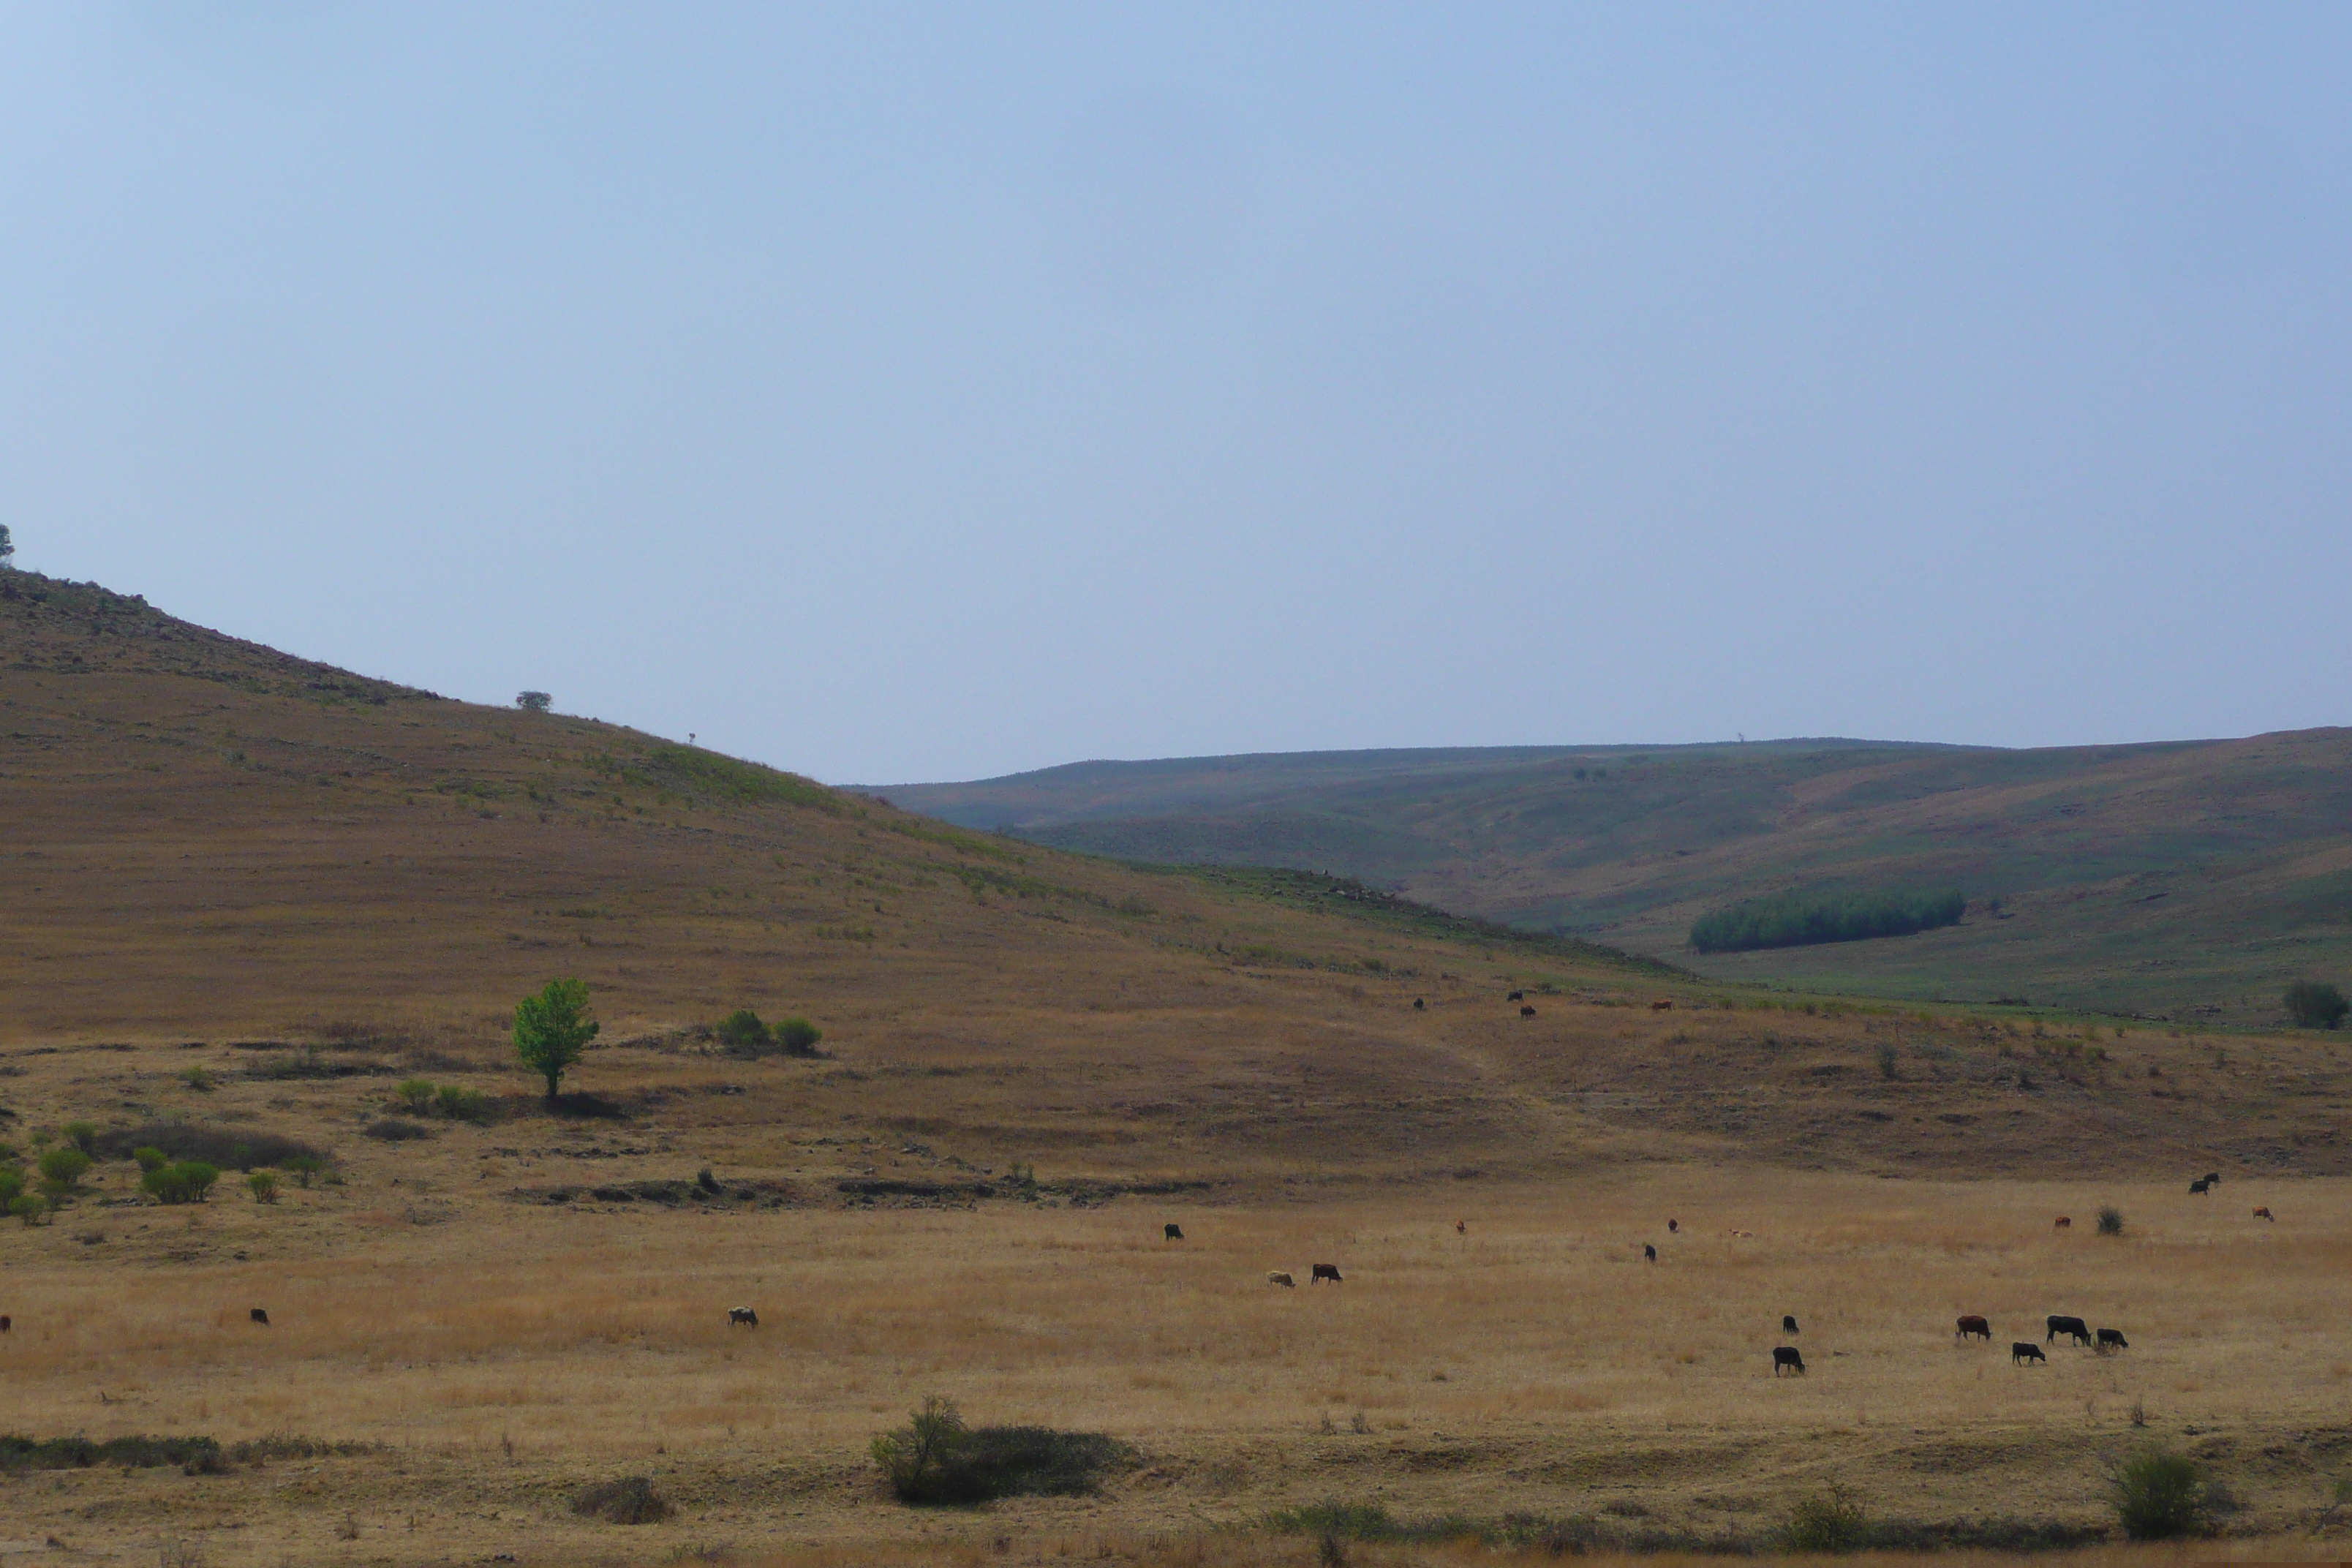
{"x":2315,"y":1006}
{"x":936,"y":1458}
{"x":1801,"y":919}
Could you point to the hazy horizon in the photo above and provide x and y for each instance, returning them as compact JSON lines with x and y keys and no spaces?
{"x":922,"y":394}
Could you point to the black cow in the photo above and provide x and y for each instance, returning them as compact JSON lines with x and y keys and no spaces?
{"x":1787,"y":1356}
{"x":1526,"y":1012}
{"x":1788,"y":1325}
{"x":260,"y":1317}
{"x":744,"y":1315}
{"x":1173,"y":1232}
{"x":1323,"y":1271}
{"x":1416,"y":1005}
{"x":2200,"y":1187}
{"x":2112,"y":1339}
{"x":2212,"y":1178}
{"x":5,"y":1324}
{"x":1516,"y":996}
{"x":1973,"y":1324}
{"x":2074,"y":1326}
{"x":2024,"y":1350}
{"x":1649,"y":1253}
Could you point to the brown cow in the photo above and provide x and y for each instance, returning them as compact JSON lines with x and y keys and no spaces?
{"x":1461,"y":1227}
{"x":1323,"y":1271}
{"x":1666,"y":1004}
{"x":5,"y":1324}
{"x":2263,"y":1213}
{"x":1973,"y":1324}
{"x":1673,"y":1225}
{"x":2062,"y":1222}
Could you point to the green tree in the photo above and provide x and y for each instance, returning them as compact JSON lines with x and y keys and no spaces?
{"x":2315,"y":1006}
{"x":7,"y":546}
{"x":552,"y":1028}
{"x":798,"y":1037}
{"x":533,"y":701}
{"x":28,"y":1207}
{"x":264,"y":1186}
{"x":82,"y":1135}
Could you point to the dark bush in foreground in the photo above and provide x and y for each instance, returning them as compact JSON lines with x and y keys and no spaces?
{"x":2111,"y":1220}
{"x":1832,"y":1521}
{"x":936,"y":1458}
{"x":2160,"y":1496}
{"x":200,"y":1455}
{"x":2315,"y":1006}
{"x":629,"y":1500}
{"x":392,"y":1129}
{"x":1800,"y":919}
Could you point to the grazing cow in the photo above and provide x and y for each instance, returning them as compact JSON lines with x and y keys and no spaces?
{"x":5,"y":1324}
{"x":1787,"y":1356}
{"x":260,"y":1317}
{"x":1516,"y":996}
{"x":1172,"y":1232}
{"x":2113,"y":1340}
{"x":744,"y":1315}
{"x":2212,"y":1178}
{"x":2024,"y":1350}
{"x":1973,"y":1324}
{"x":2063,"y":1325}
{"x":1526,"y":1012}
{"x":1461,"y":1227}
{"x":1277,"y":1277}
{"x":1417,"y":1004}
{"x":1788,"y":1325}
{"x":1666,"y":1004}
{"x":2263,"y":1213}
{"x":1649,"y":1253}
{"x":2200,"y":1187}
{"x":2062,"y":1222}
{"x":1323,"y":1271}
{"x":1673,"y":1225}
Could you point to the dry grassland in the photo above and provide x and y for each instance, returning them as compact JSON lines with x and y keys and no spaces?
{"x":502,"y":1355}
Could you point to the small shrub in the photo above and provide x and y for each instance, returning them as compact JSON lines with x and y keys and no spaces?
{"x":798,"y":1037}
{"x":28,"y":1207}
{"x":1886,"y":1060}
{"x":264,"y":1186}
{"x":2111,"y":1220}
{"x":81,"y":1134}
{"x":151,"y":1158}
{"x":2315,"y":1006}
{"x":936,"y":1458}
{"x":62,"y":1169}
{"x":459,"y":1103}
{"x":303,"y":1166}
{"x":1832,"y":1521}
{"x":414,"y":1095}
{"x":181,"y":1181}
{"x":2159,"y":1495}
{"x":742,"y":1034}
{"x":12,"y":1183}
{"x":198,"y":1080}
{"x":629,"y":1500}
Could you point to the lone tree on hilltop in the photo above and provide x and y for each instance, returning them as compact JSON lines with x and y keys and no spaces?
{"x":2315,"y":1006}
{"x":7,"y":546}
{"x":532,"y":701}
{"x":552,"y":1028}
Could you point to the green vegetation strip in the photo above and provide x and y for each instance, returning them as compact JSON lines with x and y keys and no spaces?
{"x":1803,"y":919}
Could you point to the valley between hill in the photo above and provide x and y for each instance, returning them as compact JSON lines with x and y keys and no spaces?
{"x":2186,"y":883}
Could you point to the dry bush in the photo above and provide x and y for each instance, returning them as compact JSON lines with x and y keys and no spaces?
{"x":631,"y":1500}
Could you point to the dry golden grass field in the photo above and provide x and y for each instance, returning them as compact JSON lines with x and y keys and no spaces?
{"x":243,"y":898}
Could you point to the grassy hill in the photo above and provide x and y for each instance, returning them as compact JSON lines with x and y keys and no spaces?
{"x":245,"y":898}
{"x":2182,"y":880}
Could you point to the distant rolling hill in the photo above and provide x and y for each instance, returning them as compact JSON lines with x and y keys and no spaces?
{"x":2190,"y":879}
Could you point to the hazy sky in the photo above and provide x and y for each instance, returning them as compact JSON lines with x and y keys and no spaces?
{"x":899,"y":394}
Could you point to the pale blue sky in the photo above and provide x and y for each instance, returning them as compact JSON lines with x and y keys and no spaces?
{"x":899,"y":394}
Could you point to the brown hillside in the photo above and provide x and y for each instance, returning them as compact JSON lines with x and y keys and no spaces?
{"x":212,"y":841}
